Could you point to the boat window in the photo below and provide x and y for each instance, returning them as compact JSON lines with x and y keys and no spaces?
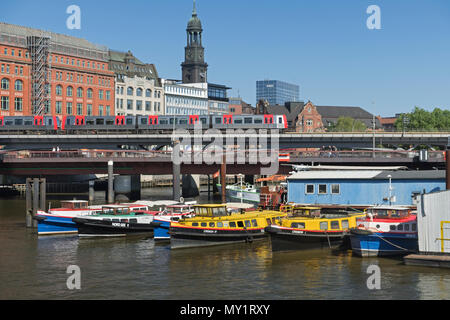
{"x":298,"y":225}
{"x":309,"y":189}
{"x":203,"y":224}
{"x":334,"y":224}
{"x":406,"y":227}
{"x":392,"y":227}
{"x":106,"y":219}
{"x":274,"y":220}
{"x":400,"y":227}
{"x":133,"y":220}
{"x":212,"y":224}
{"x":123,"y":220}
{"x":268,"y":221}
{"x":115,"y":220}
{"x":322,"y":189}
{"x":232,"y":224}
{"x":219,"y":211}
{"x":248,"y":224}
{"x":254,"y":223}
{"x":344,"y":224}
{"x":240,"y":224}
{"x":195,"y":224}
{"x":414,"y":227}
{"x":219,"y":224}
{"x":380,"y":213}
{"x":324,"y":225}
{"x":335,"y":189}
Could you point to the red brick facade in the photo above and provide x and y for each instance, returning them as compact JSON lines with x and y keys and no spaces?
{"x":309,"y":120}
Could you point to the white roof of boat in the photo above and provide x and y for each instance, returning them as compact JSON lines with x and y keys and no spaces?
{"x":305,"y":175}
{"x":74,"y":201}
{"x":387,"y":207}
{"x":238,"y":205}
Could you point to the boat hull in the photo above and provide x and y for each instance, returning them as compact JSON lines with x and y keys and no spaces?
{"x":237,"y":195}
{"x":182,"y":238}
{"x":161,"y":233}
{"x":52,"y":225}
{"x":370,"y":244}
{"x":101,"y":228}
{"x":286,"y":240}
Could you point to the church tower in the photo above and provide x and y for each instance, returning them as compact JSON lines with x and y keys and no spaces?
{"x":194,"y":68}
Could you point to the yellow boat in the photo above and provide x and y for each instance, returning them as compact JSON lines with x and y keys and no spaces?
{"x":214,"y":225}
{"x":308,"y":227}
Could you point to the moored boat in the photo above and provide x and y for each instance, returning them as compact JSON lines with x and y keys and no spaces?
{"x":241,"y":192}
{"x":169,"y":214}
{"x":215,"y":225}
{"x":307,"y":228}
{"x":59,"y":220}
{"x":116,"y":220}
{"x":385,"y":231}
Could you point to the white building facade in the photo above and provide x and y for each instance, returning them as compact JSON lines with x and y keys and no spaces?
{"x":185,"y":99}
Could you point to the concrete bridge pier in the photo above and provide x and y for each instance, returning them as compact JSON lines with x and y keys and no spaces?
{"x":35,"y":199}
{"x":91,"y":191}
{"x":110,"y":191}
{"x":191,"y":185}
{"x":127,"y":188}
{"x":176,"y":170}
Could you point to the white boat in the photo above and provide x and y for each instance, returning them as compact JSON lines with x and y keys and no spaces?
{"x":241,"y":192}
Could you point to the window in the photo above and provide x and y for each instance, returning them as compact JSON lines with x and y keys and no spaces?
{"x":148,"y":106}
{"x":345,"y":224}
{"x":108,"y":95}
{"x":130,"y":91}
{"x":89,"y":110}
{"x":58,"y":90}
{"x":309,"y":189}
{"x":79,"y":109}
{"x":100,"y":94}
{"x":80,"y":92}
{"x":139,"y":92}
{"x":69,"y":91}
{"x":108,"y":111}
{"x":90,"y":93}
{"x":334,"y":224}
{"x":18,"y":104}
{"x":322,"y":189}
{"x":298,"y":225}
{"x":400,"y":227}
{"x":414,"y":227}
{"x":324,"y":225}
{"x":5,"y":84}
{"x":139,"y":105}
{"x":406,"y":227}
{"x":212,"y":224}
{"x":240,"y":224}
{"x":58,"y":107}
{"x":254,"y":223}
{"x":392,"y":227}
{"x":219,"y":224}
{"x":335,"y":189}
{"x":5,"y":103}
{"x":232,"y":224}
{"x":69,"y":107}
{"x":203,"y":224}
{"x":18,"y":85}
{"x":148,"y":93}
{"x":129,"y":104}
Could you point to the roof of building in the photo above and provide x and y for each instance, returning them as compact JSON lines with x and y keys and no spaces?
{"x":367,"y":174}
{"x":336,"y":112}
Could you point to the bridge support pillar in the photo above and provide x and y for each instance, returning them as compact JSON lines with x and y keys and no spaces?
{"x":35,"y":198}
{"x":176,"y":170}
{"x":110,"y":182}
{"x":91,"y":191}
{"x":191,"y":185}
{"x":223,"y":178}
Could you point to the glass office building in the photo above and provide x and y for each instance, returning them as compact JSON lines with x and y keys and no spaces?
{"x":277,"y":92}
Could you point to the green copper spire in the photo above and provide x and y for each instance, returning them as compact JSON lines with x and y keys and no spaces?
{"x":194,"y":11}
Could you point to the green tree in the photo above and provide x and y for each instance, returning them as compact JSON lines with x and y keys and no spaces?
{"x":422,"y":120}
{"x":347,"y":124}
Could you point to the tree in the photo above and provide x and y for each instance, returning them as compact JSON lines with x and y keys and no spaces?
{"x":347,"y":124}
{"x":422,"y":120}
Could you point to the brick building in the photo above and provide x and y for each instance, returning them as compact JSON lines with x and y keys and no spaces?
{"x":47,"y":73}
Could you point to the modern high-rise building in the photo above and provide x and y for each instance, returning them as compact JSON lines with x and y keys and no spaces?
{"x":277,"y":92}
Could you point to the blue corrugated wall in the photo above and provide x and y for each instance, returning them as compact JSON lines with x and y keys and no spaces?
{"x":361,"y":191}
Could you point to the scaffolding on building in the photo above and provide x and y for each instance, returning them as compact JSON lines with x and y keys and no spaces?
{"x":39,"y":48}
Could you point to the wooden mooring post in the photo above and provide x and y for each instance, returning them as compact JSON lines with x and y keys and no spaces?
{"x":35,"y":198}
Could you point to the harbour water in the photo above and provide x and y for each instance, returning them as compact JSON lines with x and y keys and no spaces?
{"x":33,"y":267}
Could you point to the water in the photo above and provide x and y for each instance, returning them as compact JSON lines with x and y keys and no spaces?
{"x":33,"y":267}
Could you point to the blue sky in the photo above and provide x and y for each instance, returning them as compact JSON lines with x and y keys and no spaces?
{"x":323,"y":46}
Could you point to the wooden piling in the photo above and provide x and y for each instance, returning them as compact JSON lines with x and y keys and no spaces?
{"x":223,"y":178}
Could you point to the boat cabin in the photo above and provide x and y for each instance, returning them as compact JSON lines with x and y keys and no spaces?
{"x":74,"y":204}
{"x":300,"y":211}
{"x":211,"y":210}
{"x":115,"y":210}
{"x":178,"y":209}
{"x":389,"y":212}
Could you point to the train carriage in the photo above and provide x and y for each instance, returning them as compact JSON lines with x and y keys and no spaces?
{"x":98,"y":123}
{"x":47,"y":124}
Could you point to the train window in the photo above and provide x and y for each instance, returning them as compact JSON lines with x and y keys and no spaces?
{"x":203,"y":120}
{"x":258,"y":121}
{"x":18,"y":122}
{"x":28,"y":122}
{"x":183,"y":121}
{"x":143,"y":120}
{"x":280,"y":120}
{"x":171,"y":121}
{"x":248,"y":120}
{"x":218,"y":121}
{"x":1,"y":122}
{"x":238,"y":121}
{"x":163,"y":121}
{"x":129,"y":121}
{"x":110,"y":122}
{"x":90,"y":122}
{"x":8,"y":122}
{"x":99,"y":121}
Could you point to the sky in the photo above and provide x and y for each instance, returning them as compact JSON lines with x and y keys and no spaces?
{"x":324,"y":46}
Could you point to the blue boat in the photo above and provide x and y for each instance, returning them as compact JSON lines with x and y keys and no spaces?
{"x":385,"y":231}
{"x":170,"y":213}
